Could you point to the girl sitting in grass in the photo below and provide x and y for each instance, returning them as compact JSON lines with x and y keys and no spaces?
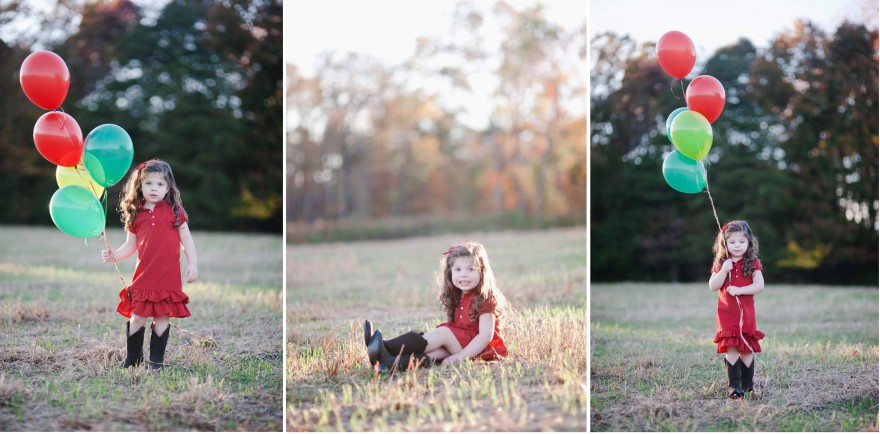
{"x":474,"y":308}
{"x":736,"y":271}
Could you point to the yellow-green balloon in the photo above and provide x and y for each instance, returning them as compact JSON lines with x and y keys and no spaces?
{"x":691,"y":134}
{"x":684,"y":174}
{"x":77,"y":175}
{"x":76,"y":211}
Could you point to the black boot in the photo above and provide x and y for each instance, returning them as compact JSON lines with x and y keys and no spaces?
{"x":734,"y":379}
{"x":379,"y":354}
{"x":134,"y":347}
{"x":368,"y":332}
{"x":747,"y":374}
{"x":157,"y":348}
{"x":410,"y":342}
{"x":373,"y":347}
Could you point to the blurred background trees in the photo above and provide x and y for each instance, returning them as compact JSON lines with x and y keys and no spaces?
{"x":383,"y":150}
{"x":195,"y":83}
{"x":794,"y":154}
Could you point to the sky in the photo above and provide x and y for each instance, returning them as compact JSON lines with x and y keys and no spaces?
{"x":712,"y":25}
{"x":388,"y":30}
{"x":385,"y":29}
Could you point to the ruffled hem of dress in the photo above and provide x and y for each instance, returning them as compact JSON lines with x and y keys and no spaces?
{"x":151,"y":303}
{"x":731,"y":338}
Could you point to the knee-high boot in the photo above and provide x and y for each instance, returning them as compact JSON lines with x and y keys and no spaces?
{"x":747,"y":373}
{"x":157,"y":348}
{"x":134,"y":347}
{"x":386,"y":361}
{"x":734,"y":379}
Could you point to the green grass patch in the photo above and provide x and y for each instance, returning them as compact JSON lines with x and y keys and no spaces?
{"x":63,"y":341}
{"x":654,"y":367}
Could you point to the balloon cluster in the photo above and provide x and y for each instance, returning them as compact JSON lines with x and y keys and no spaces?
{"x":689,"y":128}
{"x":85,"y":168}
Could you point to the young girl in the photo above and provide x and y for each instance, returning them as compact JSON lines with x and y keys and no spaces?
{"x":736,"y":271}
{"x":156,"y":226}
{"x":474,"y":306}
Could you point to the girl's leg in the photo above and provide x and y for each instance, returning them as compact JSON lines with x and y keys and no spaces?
{"x":747,"y":372}
{"x":136,"y":322}
{"x":733,"y":365}
{"x":732,"y":354}
{"x":442,"y":337}
{"x":160,"y":324}
{"x":438,"y":354}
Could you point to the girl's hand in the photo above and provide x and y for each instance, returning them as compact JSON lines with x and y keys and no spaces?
{"x":727,"y":266}
{"x":734,"y":290}
{"x":450,"y":360}
{"x":192,"y":273}
{"x":107,"y":255}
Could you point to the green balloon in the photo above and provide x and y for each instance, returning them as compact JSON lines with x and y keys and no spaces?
{"x":672,"y":116}
{"x":684,"y":174}
{"x":76,"y":211}
{"x":691,"y":134}
{"x":108,"y":154}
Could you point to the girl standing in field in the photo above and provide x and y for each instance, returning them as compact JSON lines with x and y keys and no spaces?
{"x":156,"y":226}
{"x":736,"y":271}
{"x":474,"y":307}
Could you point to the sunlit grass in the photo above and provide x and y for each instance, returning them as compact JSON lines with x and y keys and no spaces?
{"x":63,"y":341}
{"x":332,"y":288}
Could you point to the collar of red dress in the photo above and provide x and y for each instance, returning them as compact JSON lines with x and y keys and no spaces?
{"x":160,"y":204}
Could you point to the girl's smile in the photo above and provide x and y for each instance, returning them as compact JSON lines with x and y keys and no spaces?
{"x":465,"y":275}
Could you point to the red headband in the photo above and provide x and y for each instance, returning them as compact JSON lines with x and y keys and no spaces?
{"x":144,"y":164}
{"x":454,"y":247}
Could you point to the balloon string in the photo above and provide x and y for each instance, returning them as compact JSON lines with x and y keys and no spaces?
{"x":64,"y":127}
{"x":672,"y":89}
{"x":206,"y":338}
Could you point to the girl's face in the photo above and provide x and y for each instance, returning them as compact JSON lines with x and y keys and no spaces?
{"x":154,"y":187}
{"x":737,"y":244}
{"x":465,"y":275}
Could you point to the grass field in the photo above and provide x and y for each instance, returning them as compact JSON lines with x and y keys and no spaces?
{"x":654,"y":367}
{"x":62,"y":342}
{"x":332,"y":288}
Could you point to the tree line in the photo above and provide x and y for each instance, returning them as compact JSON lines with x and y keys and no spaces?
{"x":197,"y":83}
{"x":369,"y":141}
{"x":795,"y":153}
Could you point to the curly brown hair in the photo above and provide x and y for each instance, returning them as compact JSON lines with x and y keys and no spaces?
{"x":487,"y":290}
{"x":720,"y":246}
{"x":131,"y":194}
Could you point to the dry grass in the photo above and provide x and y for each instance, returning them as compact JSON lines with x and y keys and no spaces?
{"x":654,"y":367}
{"x":63,"y":341}
{"x":332,"y":288}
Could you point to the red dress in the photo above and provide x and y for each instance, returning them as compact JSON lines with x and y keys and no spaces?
{"x":466,"y":330}
{"x":728,"y":314}
{"x":156,"y":288}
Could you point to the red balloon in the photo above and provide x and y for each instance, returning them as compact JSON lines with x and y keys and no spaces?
{"x":676,"y":53}
{"x":45,"y":79}
{"x":59,"y":139}
{"x":705,"y":95}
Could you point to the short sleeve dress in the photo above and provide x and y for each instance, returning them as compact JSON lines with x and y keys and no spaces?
{"x":728,"y":314}
{"x":466,"y":330}
{"x":156,"y":287}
